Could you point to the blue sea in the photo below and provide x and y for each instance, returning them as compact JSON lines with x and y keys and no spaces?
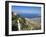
{"x":30,"y":15}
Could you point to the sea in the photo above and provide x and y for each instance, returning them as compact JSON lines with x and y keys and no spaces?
{"x":30,"y":15}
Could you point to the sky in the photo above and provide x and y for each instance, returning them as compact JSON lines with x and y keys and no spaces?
{"x":26,"y":9}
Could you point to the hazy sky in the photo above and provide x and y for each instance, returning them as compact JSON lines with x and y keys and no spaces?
{"x":26,"y":9}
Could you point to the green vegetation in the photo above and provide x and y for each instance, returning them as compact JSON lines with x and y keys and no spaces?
{"x":25,"y":24}
{"x":14,"y":21}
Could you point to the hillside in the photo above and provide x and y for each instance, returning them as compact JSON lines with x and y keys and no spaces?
{"x":26,"y":23}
